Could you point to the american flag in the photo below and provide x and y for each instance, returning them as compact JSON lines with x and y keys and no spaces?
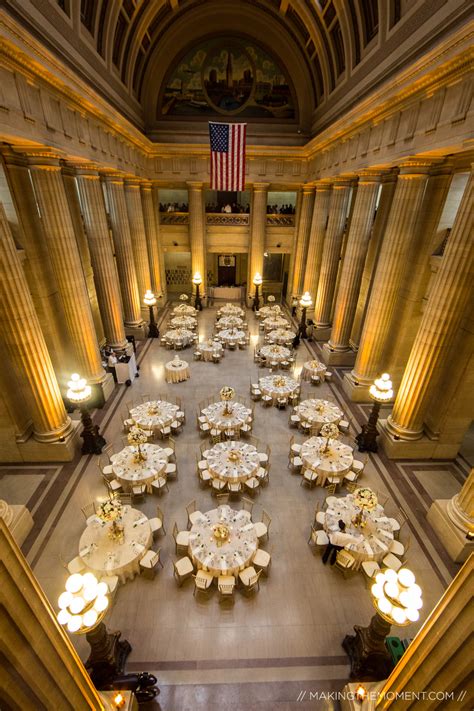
{"x":227,"y":156}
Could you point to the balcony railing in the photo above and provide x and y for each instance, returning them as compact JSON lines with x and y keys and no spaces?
{"x":174,"y":218}
{"x":281,"y":220}
{"x":226,"y":219}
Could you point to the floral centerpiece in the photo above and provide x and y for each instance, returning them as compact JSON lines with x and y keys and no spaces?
{"x":271,"y":299}
{"x":135,"y":438}
{"x":279,"y":381}
{"x":233,"y":456}
{"x":331,"y":431}
{"x":365,"y":498}
{"x":183,"y":297}
{"x":221,"y":533}
{"x":227,"y":393}
{"x":110,"y":511}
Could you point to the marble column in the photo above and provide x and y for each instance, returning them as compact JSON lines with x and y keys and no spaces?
{"x":59,"y":231}
{"x":103,"y":265}
{"x":316,"y":237}
{"x":134,"y":323}
{"x":389,"y":278}
{"x":69,"y":180}
{"x":26,"y":347}
{"x":341,"y":193}
{"x":258,"y":217}
{"x":151,"y":237}
{"x":453,"y":520}
{"x":387,"y":192}
{"x":161,"y":253}
{"x":137,"y":231}
{"x":37,"y":266}
{"x":338,"y":351}
{"x":302,"y":239}
{"x":449,"y":298}
{"x":197,"y":233}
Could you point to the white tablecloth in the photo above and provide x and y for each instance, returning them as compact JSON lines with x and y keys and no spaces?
{"x":318,"y":412}
{"x":208,"y":350}
{"x":230,"y":310}
{"x":280,"y":335}
{"x":188,"y":322}
{"x":238,"y":416}
{"x":274,"y":323}
{"x":229,"y":322}
{"x":233,"y":555}
{"x":129,"y":472}
{"x":275,"y":353}
{"x":179,"y":336}
{"x":222,"y":466}
{"x":176,"y":372}
{"x":185,"y":310}
{"x":374,"y":538}
{"x":334,"y":463}
{"x":277,"y":386}
{"x":269,"y":311}
{"x":231,"y":335}
{"x":104,"y":556}
{"x":154,"y":415}
{"x":313,"y":367}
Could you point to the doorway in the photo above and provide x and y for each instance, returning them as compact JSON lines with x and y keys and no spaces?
{"x":226,"y":270}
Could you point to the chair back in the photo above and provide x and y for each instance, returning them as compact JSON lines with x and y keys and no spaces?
{"x":175,"y":532}
{"x":222,"y":499}
{"x":266,"y":519}
{"x":160,"y":515}
{"x":191,"y":507}
{"x":88,"y":510}
{"x":247,"y":505}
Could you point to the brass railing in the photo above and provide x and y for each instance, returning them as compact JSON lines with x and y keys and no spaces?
{"x":174,"y":218}
{"x":227,"y":218}
{"x":278,"y":220}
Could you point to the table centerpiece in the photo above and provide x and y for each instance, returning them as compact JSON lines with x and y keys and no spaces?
{"x":137,"y":436}
{"x":331,"y":431}
{"x":227,"y":393}
{"x":111,"y":511}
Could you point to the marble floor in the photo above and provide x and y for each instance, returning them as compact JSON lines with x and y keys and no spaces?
{"x":263,"y":651}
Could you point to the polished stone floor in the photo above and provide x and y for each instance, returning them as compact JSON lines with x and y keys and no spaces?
{"x":263,"y":651}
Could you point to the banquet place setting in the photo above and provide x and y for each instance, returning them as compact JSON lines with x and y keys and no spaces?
{"x":180,"y":331}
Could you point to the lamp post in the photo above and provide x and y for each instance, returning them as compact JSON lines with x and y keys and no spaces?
{"x":150,"y":300}
{"x":258,"y":281}
{"x":79,"y":394}
{"x":305,"y":303}
{"x":197,"y":281}
{"x":82,"y":608}
{"x":397,"y":601}
{"x":381,"y":391}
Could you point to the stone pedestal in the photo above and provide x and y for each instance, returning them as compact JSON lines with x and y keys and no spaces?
{"x":453,"y":520}
{"x":333,"y":357}
{"x":18,"y":519}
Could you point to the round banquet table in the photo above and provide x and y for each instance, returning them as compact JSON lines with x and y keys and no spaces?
{"x":208,"y":349}
{"x":221,"y":463}
{"x":318,"y":412}
{"x":176,"y":371}
{"x":233,"y":555}
{"x":274,"y":323}
{"x":231,"y":335}
{"x":275,"y":353}
{"x":214,"y":414}
{"x":179,"y":337}
{"x":280,"y":335}
{"x":269,"y":311}
{"x":154,"y":415}
{"x":130,"y":472}
{"x":230,"y":310}
{"x":229,"y":322}
{"x":374,"y":538}
{"x":277,"y":386}
{"x":313,"y":367}
{"x":185,"y":310}
{"x":104,"y":556}
{"x":188,"y":322}
{"x":334,"y":463}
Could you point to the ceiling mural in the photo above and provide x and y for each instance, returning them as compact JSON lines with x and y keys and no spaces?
{"x":231,"y":77}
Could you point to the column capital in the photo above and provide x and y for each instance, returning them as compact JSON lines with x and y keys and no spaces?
{"x":370,"y":175}
{"x":12,"y":157}
{"x":82,"y":169}
{"x":112,"y":177}
{"x":414,"y":166}
{"x":146,"y":185}
{"x":131,"y":181}
{"x":41,"y":158}
{"x":195,"y":184}
{"x":344,"y":181}
{"x":323,"y":184}
{"x":260,"y":187}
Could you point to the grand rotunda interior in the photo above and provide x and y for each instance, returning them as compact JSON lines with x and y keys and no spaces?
{"x":236,"y":335}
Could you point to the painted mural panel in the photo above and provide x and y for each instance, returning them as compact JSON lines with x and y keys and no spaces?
{"x":228,"y":77}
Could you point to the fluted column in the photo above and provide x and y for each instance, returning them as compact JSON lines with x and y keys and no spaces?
{"x":316,"y":237}
{"x":341,"y":192}
{"x":302,"y":238}
{"x":258,"y":230}
{"x":390,"y":274}
{"x":151,"y":236}
{"x":24,"y":341}
{"x":103,"y":265}
{"x":161,"y":255}
{"x":352,"y":268}
{"x":387,"y":192}
{"x":64,"y":254}
{"x":123,"y":250}
{"x":137,"y":231}
{"x":441,"y":319}
{"x":197,"y":232}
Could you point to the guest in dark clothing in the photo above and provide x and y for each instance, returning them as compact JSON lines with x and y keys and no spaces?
{"x":337,"y":541}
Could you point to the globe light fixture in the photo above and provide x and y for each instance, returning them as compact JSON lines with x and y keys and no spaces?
{"x":258,"y":281}
{"x":150,"y":300}
{"x":380,"y":391}
{"x":397,"y":601}
{"x":197,"y":281}
{"x":78,"y":394}
{"x":305,"y":303}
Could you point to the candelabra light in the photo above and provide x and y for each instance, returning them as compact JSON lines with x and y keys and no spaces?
{"x":197,"y":281}
{"x":397,"y":601}
{"x":305,"y":303}
{"x":150,"y":300}
{"x":79,"y":394}
{"x":258,"y":281}
{"x":381,"y":391}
